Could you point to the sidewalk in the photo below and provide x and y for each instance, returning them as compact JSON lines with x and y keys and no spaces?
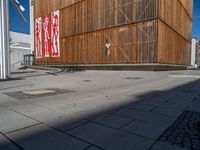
{"x":96,"y":110}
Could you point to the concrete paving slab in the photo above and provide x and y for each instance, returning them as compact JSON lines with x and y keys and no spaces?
{"x":37,"y":92}
{"x":102,"y":94}
{"x":48,"y":116}
{"x":145,"y":129}
{"x":29,"y":109}
{"x":8,"y":101}
{"x":111,"y":120}
{"x":168,"y":111}
{"x":5,"y":144}
{"x":66,"y":123}
{"x":141,"y":107}
{"x":109,"y":138}
{"x":161,"y":120}
{"x":57,"y":119}
{"x":11,"y":121}
{"x":41,"y":137}
{"x":175,"y":105}
{"x":93,"y":148}
{"x":194,"y":107}
{"x":164,"y":146}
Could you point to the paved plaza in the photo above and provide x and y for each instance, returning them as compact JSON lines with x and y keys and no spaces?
{"x":100,"y":110}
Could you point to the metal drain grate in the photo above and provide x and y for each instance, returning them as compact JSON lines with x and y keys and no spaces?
{"x":21,"y":95}
{"x":87,"y":80}
{"x":185,"y":132}
{"x":133,"y":78}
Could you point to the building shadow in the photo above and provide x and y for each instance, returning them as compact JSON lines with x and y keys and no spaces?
{"x":64,"y":132}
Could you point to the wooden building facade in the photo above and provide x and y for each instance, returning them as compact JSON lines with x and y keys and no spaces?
{"x":138,"y":31}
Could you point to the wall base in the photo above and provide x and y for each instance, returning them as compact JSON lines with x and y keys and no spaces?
{"x":122,"y":67}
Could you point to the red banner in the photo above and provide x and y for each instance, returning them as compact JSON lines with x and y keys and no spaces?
{"x":55,"y":35}
{"x":38,"y":37}
{"x":46,"y":21}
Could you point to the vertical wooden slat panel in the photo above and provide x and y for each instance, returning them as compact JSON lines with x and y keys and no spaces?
{"x":130,"y":26}
{"x":173,"y":49}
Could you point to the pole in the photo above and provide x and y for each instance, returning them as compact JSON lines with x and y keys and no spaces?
{"x":31,"y":2}
{"x":4,"y":40}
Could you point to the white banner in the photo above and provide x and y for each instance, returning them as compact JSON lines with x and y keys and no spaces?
{"x":38,"y":37}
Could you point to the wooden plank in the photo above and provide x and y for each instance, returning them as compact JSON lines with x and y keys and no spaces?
{"x":130,"y":26}
{"x":172,"y":48}
{"x":174,"y":13}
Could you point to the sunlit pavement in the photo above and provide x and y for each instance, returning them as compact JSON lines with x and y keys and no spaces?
{"x":91,"y":110}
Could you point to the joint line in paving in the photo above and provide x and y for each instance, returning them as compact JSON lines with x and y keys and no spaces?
{"x":12,"y":87}
{"x":14,"y":143}
{"x":131,"y":133}
{"x":23,"y":128}
{"x":77,"y":126}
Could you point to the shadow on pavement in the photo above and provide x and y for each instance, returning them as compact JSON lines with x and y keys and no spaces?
{"x":136,"y":125}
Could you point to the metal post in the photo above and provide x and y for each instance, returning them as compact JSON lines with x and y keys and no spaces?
{"x":4,"y":39}
{"x":31,"y":3}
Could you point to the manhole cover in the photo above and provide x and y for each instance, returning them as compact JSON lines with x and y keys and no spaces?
{"x":37,"y":92}
{"x":133,"y":78}
{"x":185,"y":132}
{"x":87,"y":81}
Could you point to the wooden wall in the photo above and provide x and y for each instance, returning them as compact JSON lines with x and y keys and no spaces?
{"x":93,"y":15}
{"x":178,"y":15}
{"x":134,"y":43}
{"x":188,"y":5}
{"x":175,"y":31}
{"x":140,"y":31}
{"x":128,"y":25}
{"x":172,"y":48}
{"x":42,"y":7}
{"x":129,"y":44}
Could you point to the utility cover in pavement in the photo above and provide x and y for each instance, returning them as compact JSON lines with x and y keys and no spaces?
{"x":37,"y":92}
{"x":20,"y":95}
{"x":185,"y":132}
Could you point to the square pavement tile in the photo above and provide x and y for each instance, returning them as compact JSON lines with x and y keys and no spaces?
{"x":5,"y":144}
{"x":145,"y":129}
{"x":141,"y":107}
{"x":22,"y":95}
{"x":29,"y":109}
{"x":93,"y":148}
{"x":168,"y":111}
{"x":37,"y":92}
{"x":11,"y":121}
{"x":41,"y":137}
{"x":111,"y":120}
{"x":195,"y":106}
{"x":161,"y":120}
{"x":109,"y":138}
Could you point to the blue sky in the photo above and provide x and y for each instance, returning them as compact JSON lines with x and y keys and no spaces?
{"x":18,"y":25}
{"x":196,"y":19}
{"x":16,"y":22}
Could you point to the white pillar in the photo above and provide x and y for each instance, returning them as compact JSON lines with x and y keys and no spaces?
{"x":4,"y":39}
{"x":193,"y":52}
{"x":31,"y":2}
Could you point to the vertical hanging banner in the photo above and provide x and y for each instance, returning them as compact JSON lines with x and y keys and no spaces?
{"x":46,"y":35}
{"x":38,"y":37}
{"x":55,"y":38}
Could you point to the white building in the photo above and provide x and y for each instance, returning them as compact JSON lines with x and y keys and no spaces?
{"x":16,"y":37}
{"x":19,"y":46}
{"x":193,"y":52}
